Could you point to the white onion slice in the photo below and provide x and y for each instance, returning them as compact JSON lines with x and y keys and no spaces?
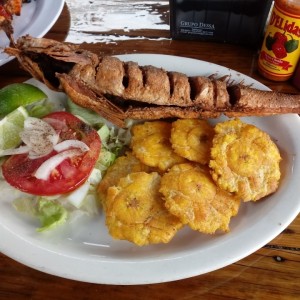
{"x":39,"y":136}
{"x":67,"y":144}
{"x":13,"y":151}
{"x":44,"y":170}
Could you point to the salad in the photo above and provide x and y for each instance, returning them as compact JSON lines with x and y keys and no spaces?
{"x":54,"y":154}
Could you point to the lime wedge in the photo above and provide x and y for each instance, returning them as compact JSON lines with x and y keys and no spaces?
{"x":10,"y":127}
{"x":18,"y":94}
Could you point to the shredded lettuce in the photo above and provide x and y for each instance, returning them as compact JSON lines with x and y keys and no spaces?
{"x":40,"y":109}
{"x":104,"y":133}
{"x":85,"y":114}
{"x":106,"y":159}
{"x":26,"y":205}
{"x":51,"y":214}
{"x":114,"y":139}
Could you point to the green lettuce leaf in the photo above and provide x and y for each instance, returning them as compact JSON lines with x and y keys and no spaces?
{"x":51,"y":214}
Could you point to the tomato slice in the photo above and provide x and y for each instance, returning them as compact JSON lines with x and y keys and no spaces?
{"x":18,"y":169}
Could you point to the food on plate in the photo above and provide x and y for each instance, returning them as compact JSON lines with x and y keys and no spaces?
{"x":192,"y":139}
{"x":9,"y":9}
{"x":191,"y":194}
{"x":135,"y":211}
{"x":150,"y":143}
{"x":121,"y":167}
{"x":197,"y":193}
{"x":28,"y":130}
{"x":175,"y":172}
{"x":119,"y":90}
{"x":59,"y":155}
{"x":244,"y":160}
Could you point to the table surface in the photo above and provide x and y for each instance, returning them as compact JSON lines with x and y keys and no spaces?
{"x":122,"y":27}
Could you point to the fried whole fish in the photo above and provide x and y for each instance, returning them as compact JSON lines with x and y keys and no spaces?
{"x":119,"y":90}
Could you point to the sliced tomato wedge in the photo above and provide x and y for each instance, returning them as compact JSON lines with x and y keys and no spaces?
{"x":18,"y":170}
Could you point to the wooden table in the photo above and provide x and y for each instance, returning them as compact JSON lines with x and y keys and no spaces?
{"x":273,"y":272}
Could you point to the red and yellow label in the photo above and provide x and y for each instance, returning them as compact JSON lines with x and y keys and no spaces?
{"x":281,"y":50}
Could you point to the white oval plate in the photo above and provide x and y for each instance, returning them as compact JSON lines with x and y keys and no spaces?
{"x":36,"y":19}
{"x":84,"y":251}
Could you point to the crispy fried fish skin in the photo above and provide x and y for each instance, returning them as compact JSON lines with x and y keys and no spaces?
{"x":191,"y":195}
{"x":122,"y":166}
{"x":192,"y":139}
{"x":135,"y":211}
{"x":245,"y":160}
{"x":150,"y":143}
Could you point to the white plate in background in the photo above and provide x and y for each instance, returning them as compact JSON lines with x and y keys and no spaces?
{"x":36,"y":19}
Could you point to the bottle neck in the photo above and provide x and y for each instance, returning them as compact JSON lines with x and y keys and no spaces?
{"x":289,"y":6}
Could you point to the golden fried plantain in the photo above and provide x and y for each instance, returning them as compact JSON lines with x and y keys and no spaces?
{"x":191,"y":195}
{"x":135,"y":211}
{"x":244,"y":160}
{"x":150,"y":143}
{"x":122,"y":166}
{"x":192,"y":139}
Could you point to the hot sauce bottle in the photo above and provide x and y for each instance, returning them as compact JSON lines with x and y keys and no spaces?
{"x":280,"y":50}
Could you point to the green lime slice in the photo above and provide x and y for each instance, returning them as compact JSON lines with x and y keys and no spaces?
{"x":10,"y":127}
{"x":18,"y":94}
